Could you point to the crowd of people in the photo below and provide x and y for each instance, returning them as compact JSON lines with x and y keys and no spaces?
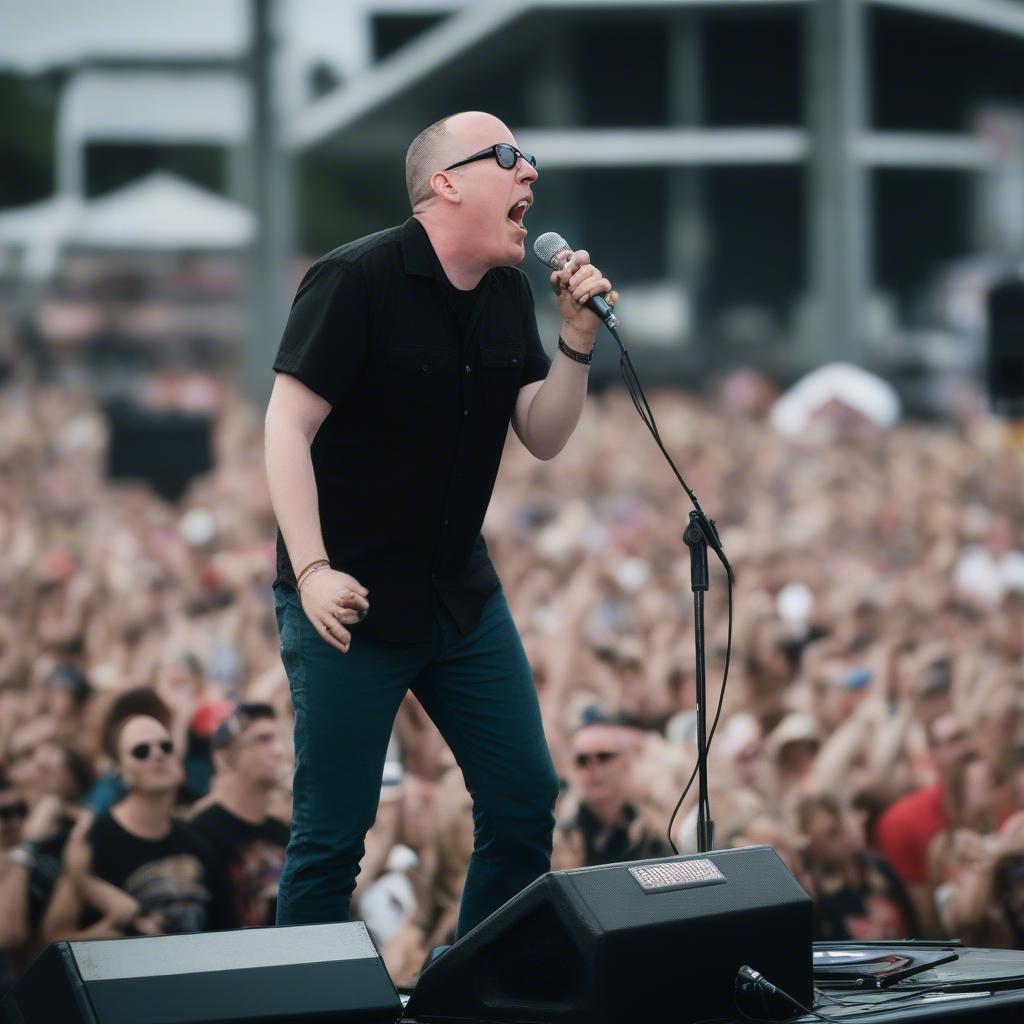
{"x":872,"y":730}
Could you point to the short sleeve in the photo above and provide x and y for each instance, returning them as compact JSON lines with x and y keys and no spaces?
{"x":536,"y":362}
{"x":325,"y":340}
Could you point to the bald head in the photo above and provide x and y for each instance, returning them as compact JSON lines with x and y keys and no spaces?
{"x":445,"y":142}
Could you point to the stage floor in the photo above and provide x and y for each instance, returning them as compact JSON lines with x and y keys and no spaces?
{"x":983,"y":985}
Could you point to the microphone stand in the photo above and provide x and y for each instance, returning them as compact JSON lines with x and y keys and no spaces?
{"x":699,"y":534}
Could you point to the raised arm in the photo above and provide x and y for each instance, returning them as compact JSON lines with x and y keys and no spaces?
{"x":547,"y":411}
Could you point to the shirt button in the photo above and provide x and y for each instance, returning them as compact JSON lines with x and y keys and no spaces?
{"x":445,"y":523}
{"x":425,"y":368}
{"x":465,"y":412}
{"x":469,"y":369}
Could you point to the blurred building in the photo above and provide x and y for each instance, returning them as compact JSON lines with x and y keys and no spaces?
{"x":776,"y":183}
{"x":770,"y":182}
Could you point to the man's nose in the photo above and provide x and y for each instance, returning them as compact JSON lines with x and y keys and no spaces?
{"x":527,"y":172}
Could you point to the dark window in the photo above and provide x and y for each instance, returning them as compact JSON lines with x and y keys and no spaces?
{"x":390,"y":32}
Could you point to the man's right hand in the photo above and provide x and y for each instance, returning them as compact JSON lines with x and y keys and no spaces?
{"x":332,"y":600}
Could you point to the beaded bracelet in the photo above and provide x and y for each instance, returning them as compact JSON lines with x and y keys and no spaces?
{"x":579,"y":357}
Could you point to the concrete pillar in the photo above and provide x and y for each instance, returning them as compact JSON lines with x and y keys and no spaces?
{"x":685,"y":223}
{"x":269,"y":176}
{"x":839,"y":250}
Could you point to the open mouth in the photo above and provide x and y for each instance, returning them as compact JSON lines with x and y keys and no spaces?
{"x":518,"y":212}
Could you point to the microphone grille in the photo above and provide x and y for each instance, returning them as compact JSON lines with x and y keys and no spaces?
{"x":548,"y":246}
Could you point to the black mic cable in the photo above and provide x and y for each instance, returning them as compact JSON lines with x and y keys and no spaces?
{"x":755,"y":981}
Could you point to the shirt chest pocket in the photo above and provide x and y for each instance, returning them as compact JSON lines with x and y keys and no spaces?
{"x":503,"y":359}
{"x":419,"y":385}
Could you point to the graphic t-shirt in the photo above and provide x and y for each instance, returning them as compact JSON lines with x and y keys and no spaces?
{"x":253,"y":856}
{"x":178,"y":878}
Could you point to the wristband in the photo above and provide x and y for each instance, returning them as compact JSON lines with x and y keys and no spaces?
{"x":579,"y":357}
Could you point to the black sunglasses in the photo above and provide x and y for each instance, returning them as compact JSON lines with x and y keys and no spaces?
{"x":601,"y":757}
{"x":141,"y":750}
{"x":9,"y":812}
{"x":503,"y":152}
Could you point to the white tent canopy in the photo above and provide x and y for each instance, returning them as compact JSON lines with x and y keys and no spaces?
{"x":160,"y":212}
{"x":874,"y":400}
{"x":163,"y":212}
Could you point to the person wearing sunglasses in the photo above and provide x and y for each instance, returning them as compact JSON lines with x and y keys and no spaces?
{"x":138,"y":870}
{"x":602,"y":822}
{"x":406,"y":356}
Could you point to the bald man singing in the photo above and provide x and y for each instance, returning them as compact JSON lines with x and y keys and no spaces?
{"x":405,"y":357}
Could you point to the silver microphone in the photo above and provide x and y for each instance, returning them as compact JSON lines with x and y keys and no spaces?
{"x":554,"y":252}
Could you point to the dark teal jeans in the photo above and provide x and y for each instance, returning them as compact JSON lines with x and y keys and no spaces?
{"x":479,"y":691}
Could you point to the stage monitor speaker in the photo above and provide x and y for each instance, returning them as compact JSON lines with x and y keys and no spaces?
{"x":658,"y":940}
{"x":308,"y":973}
{"x":1006,"y":348}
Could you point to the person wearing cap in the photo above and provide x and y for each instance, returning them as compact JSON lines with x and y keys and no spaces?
{"x":249,"y":759}
{"x":406,"y":356}
{"x":606,"y":825}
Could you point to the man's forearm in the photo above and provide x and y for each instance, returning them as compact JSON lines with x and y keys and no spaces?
{"x":556,"y":408}
{"x":293,"y":493}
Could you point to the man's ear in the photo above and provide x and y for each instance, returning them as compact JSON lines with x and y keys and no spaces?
{"x":445,"y":186}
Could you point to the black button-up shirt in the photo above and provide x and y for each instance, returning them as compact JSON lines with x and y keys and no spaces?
{"x":422,"y":381}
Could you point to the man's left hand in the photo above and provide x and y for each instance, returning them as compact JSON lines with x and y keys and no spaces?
{"x":577,"y":282}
